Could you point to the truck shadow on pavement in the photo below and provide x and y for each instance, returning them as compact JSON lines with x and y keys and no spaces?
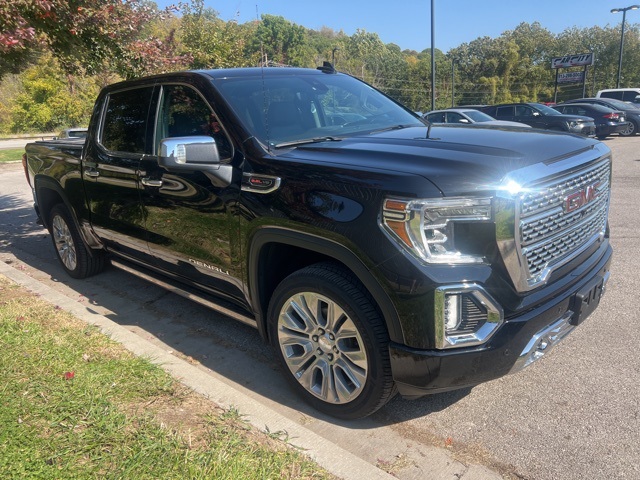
{"x":198,"y":335}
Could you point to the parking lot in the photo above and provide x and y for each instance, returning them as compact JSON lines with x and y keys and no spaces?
{"x":573,"y":415}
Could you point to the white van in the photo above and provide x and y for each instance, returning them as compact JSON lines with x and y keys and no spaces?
{"x":625,"y":94}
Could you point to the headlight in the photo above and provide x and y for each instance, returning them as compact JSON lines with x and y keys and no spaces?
{"x":573,"y":124}
{"x":426,"y":227}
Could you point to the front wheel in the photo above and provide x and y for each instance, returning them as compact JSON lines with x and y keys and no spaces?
{"x":76,"y":257}
{"x":331,"y":341}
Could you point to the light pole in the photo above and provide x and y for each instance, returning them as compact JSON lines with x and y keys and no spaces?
{"x":624,"y":16}
{"x":433,"y":55}
{"x":333,"y":56}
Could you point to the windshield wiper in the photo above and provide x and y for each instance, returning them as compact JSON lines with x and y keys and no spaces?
{"x":294,"y":143}
{"x":393,"y":127}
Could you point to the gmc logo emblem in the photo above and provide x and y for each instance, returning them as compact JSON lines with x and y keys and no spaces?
{"x":580,"y":198}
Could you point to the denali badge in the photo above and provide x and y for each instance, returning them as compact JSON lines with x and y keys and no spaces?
{"x":581,"y":197}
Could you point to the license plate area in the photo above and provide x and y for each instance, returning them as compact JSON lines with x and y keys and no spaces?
{"x":586,"y":300}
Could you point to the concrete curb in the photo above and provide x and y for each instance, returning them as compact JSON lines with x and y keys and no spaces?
{"x":224,"y":393}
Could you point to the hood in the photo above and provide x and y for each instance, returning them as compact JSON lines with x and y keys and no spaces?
{"x":458,"y":159}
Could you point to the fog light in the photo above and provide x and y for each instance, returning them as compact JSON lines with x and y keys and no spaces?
{"x":452,"y":318}
{"x":465,"y":316}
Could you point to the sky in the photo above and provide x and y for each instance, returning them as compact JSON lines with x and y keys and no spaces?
{"x":407,"y":23}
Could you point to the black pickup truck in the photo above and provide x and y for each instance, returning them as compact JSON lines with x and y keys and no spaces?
{"x":376,"y":253}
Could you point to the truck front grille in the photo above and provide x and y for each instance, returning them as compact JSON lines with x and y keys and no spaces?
{"x":557,"y":219}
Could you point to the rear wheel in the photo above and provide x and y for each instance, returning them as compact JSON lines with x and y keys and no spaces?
{"x":331,"y":341}
{"x":76,"y":257}
{"x":631,"y":129}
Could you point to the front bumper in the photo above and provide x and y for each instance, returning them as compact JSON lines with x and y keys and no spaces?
{"x":518,"y":343}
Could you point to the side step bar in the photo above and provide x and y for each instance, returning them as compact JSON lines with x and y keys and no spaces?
{"x":186,"y":292}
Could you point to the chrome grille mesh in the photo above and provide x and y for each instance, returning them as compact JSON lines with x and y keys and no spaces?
{"x":548,"y":234}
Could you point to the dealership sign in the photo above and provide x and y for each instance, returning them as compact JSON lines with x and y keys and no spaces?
{"x":567,"y":61}
{"x":570,"y":77}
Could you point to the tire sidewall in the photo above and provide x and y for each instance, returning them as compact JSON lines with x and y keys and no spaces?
{"x":368,"y":399}
{"x":80,"y":270}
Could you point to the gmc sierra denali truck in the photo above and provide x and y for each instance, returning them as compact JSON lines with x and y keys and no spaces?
{"x":376,"y":253}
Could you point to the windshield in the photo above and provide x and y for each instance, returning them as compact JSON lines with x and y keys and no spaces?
{"x":477,"y":116}
{"x":546,"y":110}
{"x":278,"y":109}
{"x":620,"y":105}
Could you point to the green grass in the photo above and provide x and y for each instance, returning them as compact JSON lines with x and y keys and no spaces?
{"x":11,"y":155}
{"x":74,"y":404}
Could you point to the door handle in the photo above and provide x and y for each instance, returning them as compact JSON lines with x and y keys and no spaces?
{"x":91,"y":172}
{"x":149,"y":182}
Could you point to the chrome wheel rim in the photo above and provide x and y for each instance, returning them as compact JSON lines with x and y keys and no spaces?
{"x":322,"y":347}
{"x":64,"y":242}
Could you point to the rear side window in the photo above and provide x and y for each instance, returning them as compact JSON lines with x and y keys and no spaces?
{"x":616,"y":95}
{"x":504,"y":111}
{"x":125,"y":122}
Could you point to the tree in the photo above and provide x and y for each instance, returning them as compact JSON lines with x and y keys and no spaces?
{"x":47,"y":101}
{"x":282,"y":41}
{"x":208,"y":41}
{"x":81,"y":34}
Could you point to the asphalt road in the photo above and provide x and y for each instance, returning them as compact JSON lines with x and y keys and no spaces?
{"x":573,"y":415}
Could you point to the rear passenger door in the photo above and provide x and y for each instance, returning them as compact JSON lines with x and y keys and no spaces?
{"x":505,"y":113}
{"x":110,"y":168}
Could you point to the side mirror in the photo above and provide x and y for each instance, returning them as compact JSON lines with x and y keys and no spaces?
{"x":463,"y":120}
{"x":536,"y":114}
{"x":189,"y":154}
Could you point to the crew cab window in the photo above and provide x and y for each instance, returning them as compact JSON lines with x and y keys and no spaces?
{"x":124,"y":126}
{"x":504,"y":111}
{"x":185,"y":113}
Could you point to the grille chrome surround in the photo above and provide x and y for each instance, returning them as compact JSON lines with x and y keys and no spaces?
{"x":537,"y":233}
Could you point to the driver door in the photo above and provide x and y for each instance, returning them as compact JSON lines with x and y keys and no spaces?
{"x":188,"y":214}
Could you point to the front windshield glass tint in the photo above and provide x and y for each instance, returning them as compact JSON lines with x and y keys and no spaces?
{"x":619,"y":104}
{"x":286,"y":108}
{"x":477,"y":116}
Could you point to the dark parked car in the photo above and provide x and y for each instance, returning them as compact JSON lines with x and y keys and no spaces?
{"x":608,"y":121}
{"x":540,"y":116}
{"x":631,"y":111}
{"x":468,"y":116}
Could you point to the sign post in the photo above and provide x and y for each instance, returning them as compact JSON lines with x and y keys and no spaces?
{"x":568,"y":61}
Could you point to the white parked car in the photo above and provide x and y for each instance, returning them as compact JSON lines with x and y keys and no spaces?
{"x":468,"y":116}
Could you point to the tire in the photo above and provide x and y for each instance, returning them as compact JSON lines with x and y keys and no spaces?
{"x":331,"y":341}
{"x":602,"y":137}
{"x":74,"y":255}
{"x":631,"y":130}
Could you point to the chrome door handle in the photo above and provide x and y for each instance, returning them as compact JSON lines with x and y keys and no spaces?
{"x":91,"y":172}
{"x":149,"y":182}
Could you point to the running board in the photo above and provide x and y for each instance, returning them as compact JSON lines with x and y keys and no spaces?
{"x":185,"y":292}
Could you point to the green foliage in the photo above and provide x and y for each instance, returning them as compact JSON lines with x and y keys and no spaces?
{"x":281,"y":41}
{"x":50,"y":100}
{"x":209,"y":42}
{"x":130,"y":39}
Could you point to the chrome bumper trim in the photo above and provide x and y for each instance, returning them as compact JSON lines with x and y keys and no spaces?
{"x":543,"y":341}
